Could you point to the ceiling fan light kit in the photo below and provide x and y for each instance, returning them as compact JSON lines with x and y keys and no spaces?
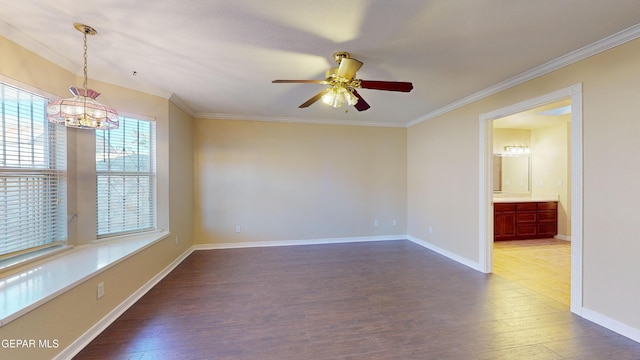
{"x":338,"y":96}
{"x":342,"y":84}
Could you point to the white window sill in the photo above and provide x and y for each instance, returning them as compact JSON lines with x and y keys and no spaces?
{"x":28,"y":289}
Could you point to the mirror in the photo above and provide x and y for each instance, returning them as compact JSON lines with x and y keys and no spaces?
{"x":511,"y":173}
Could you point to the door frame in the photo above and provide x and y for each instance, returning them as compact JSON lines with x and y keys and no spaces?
{"x":574,"y":92}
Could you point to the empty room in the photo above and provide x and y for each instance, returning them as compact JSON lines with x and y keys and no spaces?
{"x":319,"y":180}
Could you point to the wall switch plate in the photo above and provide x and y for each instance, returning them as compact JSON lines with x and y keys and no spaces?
{"x":430,"y":230}
{"x":237,"y":228}
{"x":395,"y":222}
{"x":375,"y":222}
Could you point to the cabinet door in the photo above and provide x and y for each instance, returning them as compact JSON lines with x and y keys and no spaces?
{"x":548,"y":219}
{"x":547,"y":230}
{"x":527,"y":231}
{"x":504,"y":225}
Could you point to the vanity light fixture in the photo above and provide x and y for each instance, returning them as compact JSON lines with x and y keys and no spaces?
{"x":517,"y":149}
{"x":82,"y":110}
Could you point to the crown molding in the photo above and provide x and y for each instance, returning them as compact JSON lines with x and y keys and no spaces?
{"x":597,"y":47}
{"x":182,"y":105}
{"x":37,"y":47}
{"x":219,"y":116}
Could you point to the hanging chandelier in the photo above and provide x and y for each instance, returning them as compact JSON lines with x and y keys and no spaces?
{"x":83,"y":111}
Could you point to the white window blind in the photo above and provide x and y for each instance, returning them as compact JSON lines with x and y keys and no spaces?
{"x":126,"y":178}
{"x":32,"y":181}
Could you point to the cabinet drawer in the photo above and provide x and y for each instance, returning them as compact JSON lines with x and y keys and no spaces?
{"x":528,"y":206}
{"x":504,"y":207}
{"x":552,"y":205}
{"x":547,"y":216}
{"x":527,"y":217}
{"x":527,"y":231}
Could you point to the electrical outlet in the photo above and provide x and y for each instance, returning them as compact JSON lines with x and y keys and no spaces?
{"x":375,"y":222}
{"x":237,"y":228}
{"x":177,"y":240}
{"x":395,"y":222}
{"x":100,"y":290}
{"x":430,"y":230}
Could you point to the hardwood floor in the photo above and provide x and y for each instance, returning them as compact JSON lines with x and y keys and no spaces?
{"x":543,"y":265}
{"x":374,"y":301}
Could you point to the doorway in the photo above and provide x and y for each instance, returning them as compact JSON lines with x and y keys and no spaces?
{"x":574,"y":95}
{"x":531,"y":168}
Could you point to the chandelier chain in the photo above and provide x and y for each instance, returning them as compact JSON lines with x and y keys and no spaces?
{"x":85,"y":60}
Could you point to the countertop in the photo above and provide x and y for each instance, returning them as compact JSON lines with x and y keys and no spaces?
{"x":524,"y":199}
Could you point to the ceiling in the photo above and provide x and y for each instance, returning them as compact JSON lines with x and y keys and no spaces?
{"x":539,"y":117}
{"x":217,"y":58}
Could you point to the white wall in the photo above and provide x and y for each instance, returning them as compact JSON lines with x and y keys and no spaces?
{"x":550,"y":174}
{"x":611,"y":104}
{"x":288,"y":182}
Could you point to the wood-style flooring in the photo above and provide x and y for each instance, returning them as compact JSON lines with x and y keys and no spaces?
{"x":373,"y":301}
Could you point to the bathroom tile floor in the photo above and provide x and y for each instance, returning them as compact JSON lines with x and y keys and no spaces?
{"x":541,"y":265}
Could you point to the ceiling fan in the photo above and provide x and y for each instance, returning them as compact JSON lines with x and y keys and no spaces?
{"x":342,"y":84}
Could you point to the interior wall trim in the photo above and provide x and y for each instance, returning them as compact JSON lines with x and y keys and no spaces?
{"x":294,"y":120}
{"x":455,"y":257}
{"x":252,"y":244}
{"x":485,"y":230}
{"x":611,"y":324}
{"x":597,"y":47}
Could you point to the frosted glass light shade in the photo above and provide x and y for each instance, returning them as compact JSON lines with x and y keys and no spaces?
{"x":338,"y":96}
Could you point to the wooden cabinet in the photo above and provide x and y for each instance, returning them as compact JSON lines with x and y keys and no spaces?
{"x":525,"y":220}
{"x":547,"y":219}
{"x":504,"y":221}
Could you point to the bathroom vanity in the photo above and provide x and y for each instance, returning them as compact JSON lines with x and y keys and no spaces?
{"x":521,"y":219}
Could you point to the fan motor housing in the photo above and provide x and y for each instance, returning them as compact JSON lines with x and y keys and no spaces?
{"x":338,"y":56}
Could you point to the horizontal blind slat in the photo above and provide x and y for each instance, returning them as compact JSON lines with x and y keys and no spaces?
{"x":125,"y":178}
{"x":32,"y":162}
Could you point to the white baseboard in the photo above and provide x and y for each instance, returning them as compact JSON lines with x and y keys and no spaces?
{"x":298,"y":242}
{"x":611,"y":324}
{"x":462,"y":260}
{"x":563,"y":237}
{"x":101,"y":325}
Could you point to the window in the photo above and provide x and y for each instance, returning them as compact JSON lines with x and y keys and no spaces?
{"x":32,"y":180}
{"x":126,"y":178}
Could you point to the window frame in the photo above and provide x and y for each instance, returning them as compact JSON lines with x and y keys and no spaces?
{"x":148,"y":177}
{"x":46,"y":175}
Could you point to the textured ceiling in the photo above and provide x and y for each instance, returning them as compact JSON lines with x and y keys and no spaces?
{"x":217,"y":58}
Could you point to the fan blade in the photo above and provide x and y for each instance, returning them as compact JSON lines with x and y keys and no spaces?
{"x":315,"y":98}
{"x":361,"y":105}
{"x":300,"y":81}
{"x":386,"y":85}
{"x":348,"y":68}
